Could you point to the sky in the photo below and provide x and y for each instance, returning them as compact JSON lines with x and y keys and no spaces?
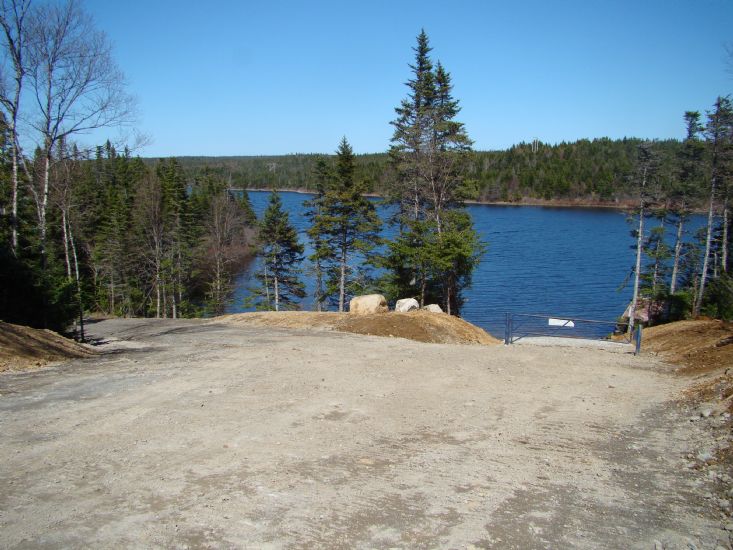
{"x":267,"y":78}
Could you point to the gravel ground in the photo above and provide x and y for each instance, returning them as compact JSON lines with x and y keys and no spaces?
{"x":187,"y":434}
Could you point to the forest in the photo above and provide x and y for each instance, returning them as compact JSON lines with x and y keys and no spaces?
{"x":593,"y":172}
{"x":99,"y":230}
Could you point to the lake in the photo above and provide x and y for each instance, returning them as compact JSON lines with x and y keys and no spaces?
{"x":564,"y":262}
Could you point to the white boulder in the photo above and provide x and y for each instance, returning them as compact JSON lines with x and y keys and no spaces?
{"x":406,"y":304}
{"x":369,"y":303}
{"x":433,"y":308}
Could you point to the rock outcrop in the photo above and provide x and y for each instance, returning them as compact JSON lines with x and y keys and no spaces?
{"x":406,"y":304}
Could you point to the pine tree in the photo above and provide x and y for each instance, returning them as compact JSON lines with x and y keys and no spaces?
{"x":317,"y":230}
{"x":645,"y":177}
{"x":411,"y":126}
{"x":280,"y":286}
{"x":429,"y":155}
{"x":685,"y":190}
{"x":719,"y":133}
{"x":348,"y":227}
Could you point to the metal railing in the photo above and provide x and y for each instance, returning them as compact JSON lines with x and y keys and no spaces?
{"x":525,"y":325}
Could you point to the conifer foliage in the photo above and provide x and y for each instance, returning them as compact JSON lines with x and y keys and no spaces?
{"x":345,"y":230}
{"x":280,"y":285}
{"x":434,"y":255}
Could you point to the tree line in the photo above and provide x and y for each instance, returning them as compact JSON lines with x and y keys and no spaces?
{"x":677,"y":277}
{"x":96,"y":230}
{"x":102,"y":230}
{"x":583,"y":172}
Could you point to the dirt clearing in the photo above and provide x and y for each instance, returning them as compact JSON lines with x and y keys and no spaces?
{"x":198,"y":434}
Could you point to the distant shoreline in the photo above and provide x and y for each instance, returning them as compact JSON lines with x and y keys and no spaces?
{"x":625,"y":205}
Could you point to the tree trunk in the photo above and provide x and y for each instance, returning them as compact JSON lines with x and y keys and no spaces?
{"x":706,"y":256}
{"x":319,"y":286}
{"x":637,"y":269}
{"x":157,"y":290}
{"x":112,"y":292}
{"x":14,"y":198}
{"x":655,"y":276}
{"x":78,"y":285}
{"x":677,"y":252}
{"x":44,"y":207}
{"x":423,"y":287}
{"x":342,"y":280}
{"x":276,"y":288}
{"x":724,"y":260}
{"x":66,"y":243}
{"x":639,"y":250}
{"x":218,"y":285}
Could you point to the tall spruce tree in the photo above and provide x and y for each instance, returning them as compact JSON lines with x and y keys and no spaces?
{"x":323,"y":176}
{"x":686,"y":185}
{"x":647,"y":166}
{"x":429,"y":150}
{"x":280,"y":285}
{"x":719,"y":134}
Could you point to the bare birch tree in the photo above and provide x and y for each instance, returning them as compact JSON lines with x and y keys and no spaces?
{"x":76,"y":85}
{"x":646,"y":169}
{"x":13,"y":16}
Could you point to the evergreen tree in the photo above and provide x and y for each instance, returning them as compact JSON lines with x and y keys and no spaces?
{"x":645,"y":177}
{"x":411,"y":128}
{"x":719,"y":133}
{"x":323,"y":177}
{"x":686,"y":185}
{"x":429,"y":155}
{"x":348,"y":229}
{"x":280,"y":286}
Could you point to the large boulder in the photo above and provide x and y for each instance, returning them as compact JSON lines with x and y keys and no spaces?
{"x":369,"y":303}
{"x":406,"y":304}
{"x":433,"y":308}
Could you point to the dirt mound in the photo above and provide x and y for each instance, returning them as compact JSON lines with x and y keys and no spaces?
{"x":24,"y":347}
{"x":421,"y":326}
{"x":284,"y":319}
{"x":698,"y":346}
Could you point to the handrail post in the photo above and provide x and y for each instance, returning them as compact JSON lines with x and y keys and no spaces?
{"x":507,"y":334}
{"x":637,"y":351}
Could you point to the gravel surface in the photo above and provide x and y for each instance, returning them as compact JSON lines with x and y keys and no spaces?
{"x":187,"y":434}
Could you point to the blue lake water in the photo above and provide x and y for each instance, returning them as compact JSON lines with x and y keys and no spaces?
{"x":564,"y":262}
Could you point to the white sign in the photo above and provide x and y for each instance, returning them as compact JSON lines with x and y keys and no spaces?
{"x":560,"y":323}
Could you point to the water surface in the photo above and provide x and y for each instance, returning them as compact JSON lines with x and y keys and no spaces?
{"x":564,"y":262}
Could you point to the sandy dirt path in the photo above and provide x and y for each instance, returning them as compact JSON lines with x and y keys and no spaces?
{"x":189,"y":434}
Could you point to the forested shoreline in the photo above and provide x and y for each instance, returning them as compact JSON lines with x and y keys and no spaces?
{"x":585,"y":172}
{"x":99,"y":230}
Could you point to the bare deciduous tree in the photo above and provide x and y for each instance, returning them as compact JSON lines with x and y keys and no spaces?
{"x":76,"y":84}
{"x":222,"y":226}
{"x":13,"y":15}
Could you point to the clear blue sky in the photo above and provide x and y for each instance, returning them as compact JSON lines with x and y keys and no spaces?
{"x":268,"y":77}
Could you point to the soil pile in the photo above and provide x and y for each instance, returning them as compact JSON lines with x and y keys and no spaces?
{"x":421,"y":326}
{"x":699,"y":346}
{"x":24,"y":347}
